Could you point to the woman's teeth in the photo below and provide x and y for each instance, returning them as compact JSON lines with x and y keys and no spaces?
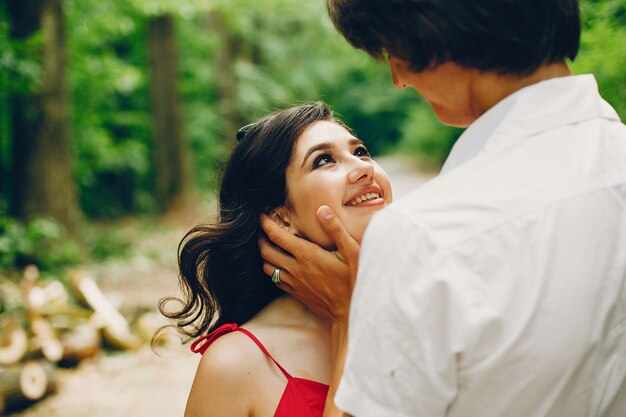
{"x":363,"y":198}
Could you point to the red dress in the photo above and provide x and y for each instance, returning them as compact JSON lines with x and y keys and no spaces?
{"x":301,"y":398}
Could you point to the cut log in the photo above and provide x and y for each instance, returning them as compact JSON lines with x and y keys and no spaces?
{"x":23,"y":384}
{"x":120,"y":338}
{"x":37,"y":379}
{"x":51,"y":349}
{"x":80,"y":343}
{"x":115,"y":328}
{"x":46,"y":340}
{"x":33,"y":295}
{"x":49,"y":299}
{"x":79,"y":335}
{"x":13,"y":343}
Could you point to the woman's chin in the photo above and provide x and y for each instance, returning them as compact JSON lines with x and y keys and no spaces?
{"x":331,"y":246}
{"x":354,"y":227}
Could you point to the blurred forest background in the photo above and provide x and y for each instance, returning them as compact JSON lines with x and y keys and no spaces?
{"x":115,"y":116}
{"x":118,"y":108}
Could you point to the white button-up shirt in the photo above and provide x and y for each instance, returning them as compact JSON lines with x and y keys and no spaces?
{"x":498,"y":289}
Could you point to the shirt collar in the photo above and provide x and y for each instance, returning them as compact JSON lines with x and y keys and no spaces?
{"x":529,"y":111}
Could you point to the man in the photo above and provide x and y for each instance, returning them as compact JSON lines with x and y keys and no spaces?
{"x":499,"y":287}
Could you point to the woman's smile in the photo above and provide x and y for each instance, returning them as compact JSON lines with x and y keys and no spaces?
{"x":370,"y":196}
{"x":332,"y":167}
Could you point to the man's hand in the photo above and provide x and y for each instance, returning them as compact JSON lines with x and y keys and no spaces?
{"x":320,"y":279}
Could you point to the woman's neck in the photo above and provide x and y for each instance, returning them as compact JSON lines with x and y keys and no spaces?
{"x":287,"y":311}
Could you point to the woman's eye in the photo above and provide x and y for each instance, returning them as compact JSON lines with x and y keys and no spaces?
{"x":361,"y":151}
{"x":322,"y":160}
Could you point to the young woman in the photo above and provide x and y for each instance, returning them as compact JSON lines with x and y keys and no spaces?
{"x":264,"y":353}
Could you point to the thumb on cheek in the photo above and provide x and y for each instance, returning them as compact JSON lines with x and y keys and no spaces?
{"x":325,"y":213}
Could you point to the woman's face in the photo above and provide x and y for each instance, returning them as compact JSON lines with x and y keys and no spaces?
{"x":331,"y":167}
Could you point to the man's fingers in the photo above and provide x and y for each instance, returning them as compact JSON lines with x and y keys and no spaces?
{"x":285,"y":277}
{"x":333,"y":226}
{"x":268,"y":268}
{"x":276,"y":257}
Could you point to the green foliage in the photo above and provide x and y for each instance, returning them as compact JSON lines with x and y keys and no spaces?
{"x":111,"y":117}
{"x":107,"y":243}
{"x":314,"y":63}
{"x":11,"y":302}
{"x":41,"y":242}
{"x":197,"y":86}
{"x":20,"y":59}
{"x":45,"y":243}
{"x":426,"y":138}
{"x":185,"y":8}
{"x":603,"y":49}
{"x":280,"y":59}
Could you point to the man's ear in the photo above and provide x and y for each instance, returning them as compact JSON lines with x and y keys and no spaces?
{"x":280,"y":215}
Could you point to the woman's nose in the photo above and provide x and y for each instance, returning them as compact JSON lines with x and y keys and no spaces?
{"x":362,"y":171}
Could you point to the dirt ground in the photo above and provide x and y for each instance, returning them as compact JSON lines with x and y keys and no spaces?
{"x":138,"y":384}
{"x":142,"y":383}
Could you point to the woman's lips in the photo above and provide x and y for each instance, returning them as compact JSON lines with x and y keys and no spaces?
{"x":379,"y":201}
{"x":363,"y":195}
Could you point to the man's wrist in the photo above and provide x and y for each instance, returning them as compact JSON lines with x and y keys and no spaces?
{"x":339,"y":328}
{"x":339,"y":321}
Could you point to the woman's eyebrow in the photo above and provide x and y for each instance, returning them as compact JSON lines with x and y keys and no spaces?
{"x":324,"y":146}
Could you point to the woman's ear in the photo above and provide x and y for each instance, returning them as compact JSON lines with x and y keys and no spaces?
{"x":280,"y":215}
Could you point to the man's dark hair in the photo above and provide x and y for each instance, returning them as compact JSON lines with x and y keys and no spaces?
{"x":506,"y":36}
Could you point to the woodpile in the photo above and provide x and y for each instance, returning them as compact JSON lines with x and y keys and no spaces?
{"x":46,"y":324}
{"x":25,"y":383}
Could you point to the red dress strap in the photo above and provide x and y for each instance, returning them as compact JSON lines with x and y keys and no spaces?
{"x":203,"y":343}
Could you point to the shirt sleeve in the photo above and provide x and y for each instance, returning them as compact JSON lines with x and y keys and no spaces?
{"x":405,"y":327}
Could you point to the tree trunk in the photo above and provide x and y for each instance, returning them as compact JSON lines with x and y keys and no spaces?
{"x":227,"y":53}
{"x":5,"y":141}
{"x":171,"y":162}
{"x":42,"y":168}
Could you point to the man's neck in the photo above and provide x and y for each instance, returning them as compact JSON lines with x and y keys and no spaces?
{"x":488,"y":89}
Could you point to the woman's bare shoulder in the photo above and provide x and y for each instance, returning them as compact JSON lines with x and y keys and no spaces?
{"x":227,"y":378}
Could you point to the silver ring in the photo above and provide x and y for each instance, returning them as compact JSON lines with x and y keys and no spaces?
{"x":276,"y":276}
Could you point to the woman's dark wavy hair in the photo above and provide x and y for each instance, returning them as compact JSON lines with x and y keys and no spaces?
{"x":221,"y":274}
{"x":506,"y":36}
